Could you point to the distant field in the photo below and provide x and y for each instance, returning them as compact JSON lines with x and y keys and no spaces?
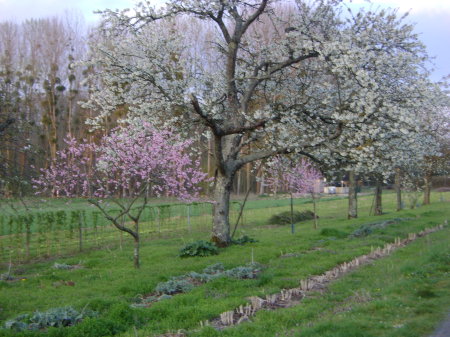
{"x":56,"y":227}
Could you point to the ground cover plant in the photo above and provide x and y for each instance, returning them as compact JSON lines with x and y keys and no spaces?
{"x":185,"y":283}
{"x":108,"y":285}
{"x":369,"y":228}
{"x":56,"y":317}
{"x":199,"y":248}
{"x":285,"y":218}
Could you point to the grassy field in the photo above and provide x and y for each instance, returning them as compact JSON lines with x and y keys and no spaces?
{"x":405,"y":294}
{"x":47,"y":228}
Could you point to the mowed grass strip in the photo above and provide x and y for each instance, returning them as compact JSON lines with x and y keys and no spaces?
{"x":108,"y":283}
{"x":404,"y":295}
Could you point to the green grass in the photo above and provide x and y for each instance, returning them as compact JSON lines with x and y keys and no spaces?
{"x":403,"y":295}
{"x":59,"y":227}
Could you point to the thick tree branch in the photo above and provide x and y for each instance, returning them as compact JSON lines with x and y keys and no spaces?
{"x":254,"y":16}
{"x":219,"y":20}
{"x":114,"y":220}
{"x":337,"y":132}
{"x":274,"y":69}
{"x":244,"y":128}
{"x":258,"y":156}
{"x":209,"y":121}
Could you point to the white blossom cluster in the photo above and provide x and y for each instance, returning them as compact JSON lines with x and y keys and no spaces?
{"x":350,"y":91}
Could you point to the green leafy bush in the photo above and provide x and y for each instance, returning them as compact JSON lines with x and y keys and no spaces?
{"x":174,"y":286}
{"x":284,"y":218}
{"x":56,"y":317}
{"x":199,"y":248}
{"x":333,"y":232}
{"x":243,"y":240}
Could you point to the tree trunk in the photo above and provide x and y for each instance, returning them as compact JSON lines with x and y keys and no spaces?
{"x":136,"y":261}
{"x":238,"y":187}
{"x":261,"y":186}
{"x":398,"y":189}
{"x":378,"y":209}
{"x":136,"y":237}
{"x":221,"y":226}
{"x":426,"y":189}
{"x":352,"y":197}
{"x":80,"y":234}
{"x":209,"y":164}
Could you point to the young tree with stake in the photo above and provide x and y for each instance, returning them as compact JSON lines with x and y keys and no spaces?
{"x":136,"y":160}
{"x":299,"y":177}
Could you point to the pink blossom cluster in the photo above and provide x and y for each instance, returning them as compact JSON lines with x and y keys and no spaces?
{"x":297,"y":177}
{"x":130,"y":160}
{"x":70,"y":173}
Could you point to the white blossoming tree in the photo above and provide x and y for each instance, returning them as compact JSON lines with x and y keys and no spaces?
{"x":307,"y":87}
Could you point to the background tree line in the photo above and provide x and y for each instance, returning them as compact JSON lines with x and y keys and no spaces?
{"x":41,"y":87}
{"x":42,"y":84}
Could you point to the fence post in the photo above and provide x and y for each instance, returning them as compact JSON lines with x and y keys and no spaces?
{"x":28,"y":235}
{"x":80,"y":232}
{"x":189,"y":217}
{"x":158,"y":212}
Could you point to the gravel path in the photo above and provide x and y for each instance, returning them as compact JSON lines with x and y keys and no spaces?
{"x":444,"y":328}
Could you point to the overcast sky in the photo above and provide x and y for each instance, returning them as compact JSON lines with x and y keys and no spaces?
{"x":432,"y":18}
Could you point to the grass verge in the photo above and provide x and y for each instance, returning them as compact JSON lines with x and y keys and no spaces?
{"x":108,"y":284}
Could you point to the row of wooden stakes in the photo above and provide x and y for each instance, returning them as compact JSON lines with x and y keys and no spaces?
{"x":289,"y":297}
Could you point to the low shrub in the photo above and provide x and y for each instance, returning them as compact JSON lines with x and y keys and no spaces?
{"x":284,"y":218}
{"x":249,"y":271}
{"x":241,"y":273}
{"x":198,"y":248}
{"x":56,"y":317}
{"x":243,"y":240}
{"x":174,"y":286}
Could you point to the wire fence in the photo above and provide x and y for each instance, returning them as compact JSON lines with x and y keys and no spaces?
{"x":40,"y":234}
{"x":44,"y":234}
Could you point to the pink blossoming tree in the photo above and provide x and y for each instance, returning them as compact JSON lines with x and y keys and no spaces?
{"x":130,"y":161}
{"x":298,"y":177}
